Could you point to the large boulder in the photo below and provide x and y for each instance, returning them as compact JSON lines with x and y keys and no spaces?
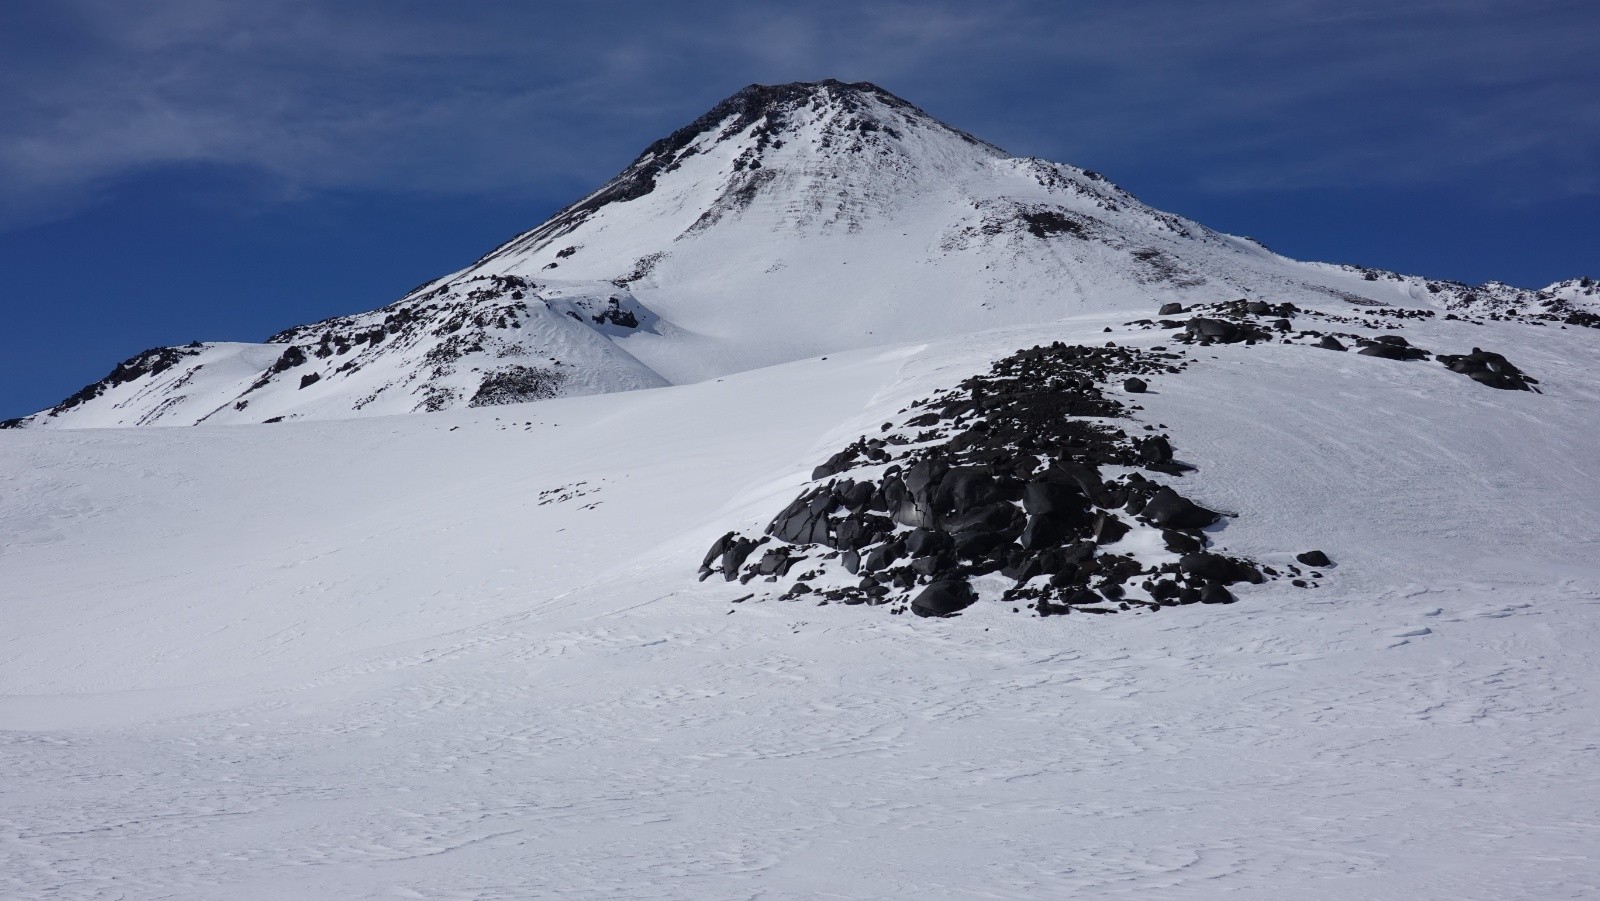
{"x":1052,"y":497}
{"x":908,"y":508}
{"x":1488,"y":368}
{"x":944,"y":598}
{"x":735,"y":555}
{"x":1217,"y":568}
{"x":1388,"y":350}
{"x":806,"y":520}
{"x":1045,"y":530}
{"x":1085,"y":477}
{"x":965,"y":487}
{"x":718,"y":548}
{"x":1222,"y":331}
{"x":1001,"y":516}
{"x":1171,"y":510}
{"x":1108,"y":529}
{"x":1314,"y":558}
{"x":926,"y":542}
{"x":923,"y":477}
{"x":882,"y":557}
{"x":1155,"y":449}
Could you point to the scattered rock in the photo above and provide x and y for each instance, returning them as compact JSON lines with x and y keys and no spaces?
{"x":1314,"y":558}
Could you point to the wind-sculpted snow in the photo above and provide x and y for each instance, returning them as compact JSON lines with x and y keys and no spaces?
{"x":789,"y":221}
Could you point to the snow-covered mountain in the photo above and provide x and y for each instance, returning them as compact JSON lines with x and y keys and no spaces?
{"x":788,"y":221}
{"x":1241,"y":577}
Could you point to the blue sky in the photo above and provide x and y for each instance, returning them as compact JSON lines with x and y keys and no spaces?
{"x":182,"y":169}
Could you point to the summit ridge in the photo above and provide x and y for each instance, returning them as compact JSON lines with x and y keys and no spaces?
{"x":787,"y":221}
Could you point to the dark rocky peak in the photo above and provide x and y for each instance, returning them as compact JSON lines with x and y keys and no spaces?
{"x":783,"y":106}
{"x":775,"y":108}
{"x":845,"y":111}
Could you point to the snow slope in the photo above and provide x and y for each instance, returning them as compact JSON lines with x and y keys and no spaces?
{"x":464,"y":656}
{"x":789,"y":221}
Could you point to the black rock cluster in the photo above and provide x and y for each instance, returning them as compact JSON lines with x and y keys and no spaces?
{"x":1238,"y":321}
{"x":515,"y":385}
{"x":616,"y":314}
{"x":1230,"y":322}
{"x":1488,"y":368}
{"x":1391,"y":347}
{"x":1004,"y":477}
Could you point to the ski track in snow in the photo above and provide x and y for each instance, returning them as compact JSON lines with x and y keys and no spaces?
{"x":359,"y":659}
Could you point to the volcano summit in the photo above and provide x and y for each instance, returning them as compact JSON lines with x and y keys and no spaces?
{"x":788,"y":221}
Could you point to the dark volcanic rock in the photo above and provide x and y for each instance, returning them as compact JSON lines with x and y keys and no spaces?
{"x":1001,"y":516}
{"x":1171,"y":510}
{"x":1488,"y":368}
{"x":734,"y":557}
{"x":1314,"y":558}
{"x":1179,"y":543}
{"x":925,"y":542}
{"x":944,"y":598}
{"x":1004,"y":476}
{"x":292,"y":357}
{"x":1390,"y":351}
{"x":1222,"y":330}
{"x":1211,"y":567}
{"x":1108,"y":529}
{"x":1135,"y":386}
{"x":717,"y":549}
{"x":1045,"y":530}
{"x":1156,"y":449}
{"x":965,"y":487}
{"x":882,"y":557}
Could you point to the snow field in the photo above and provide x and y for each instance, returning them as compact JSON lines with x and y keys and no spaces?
{"x":362,"y":659}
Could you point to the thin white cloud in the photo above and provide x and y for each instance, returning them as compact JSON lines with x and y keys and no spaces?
{"x":1230,"y":95}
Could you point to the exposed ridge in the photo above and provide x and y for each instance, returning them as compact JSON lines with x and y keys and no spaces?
{"x":750,"y":105}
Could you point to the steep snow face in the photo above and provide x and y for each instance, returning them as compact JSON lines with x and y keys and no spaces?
{"x":788,"y":221}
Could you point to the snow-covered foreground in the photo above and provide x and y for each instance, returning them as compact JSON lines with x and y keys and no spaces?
{"x":464,"y":654}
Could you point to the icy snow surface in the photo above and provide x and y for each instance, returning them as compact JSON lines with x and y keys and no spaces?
{"x":464,"y":655}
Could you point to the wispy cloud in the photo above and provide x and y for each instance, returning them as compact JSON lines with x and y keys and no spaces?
{"x":511,"y":98}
